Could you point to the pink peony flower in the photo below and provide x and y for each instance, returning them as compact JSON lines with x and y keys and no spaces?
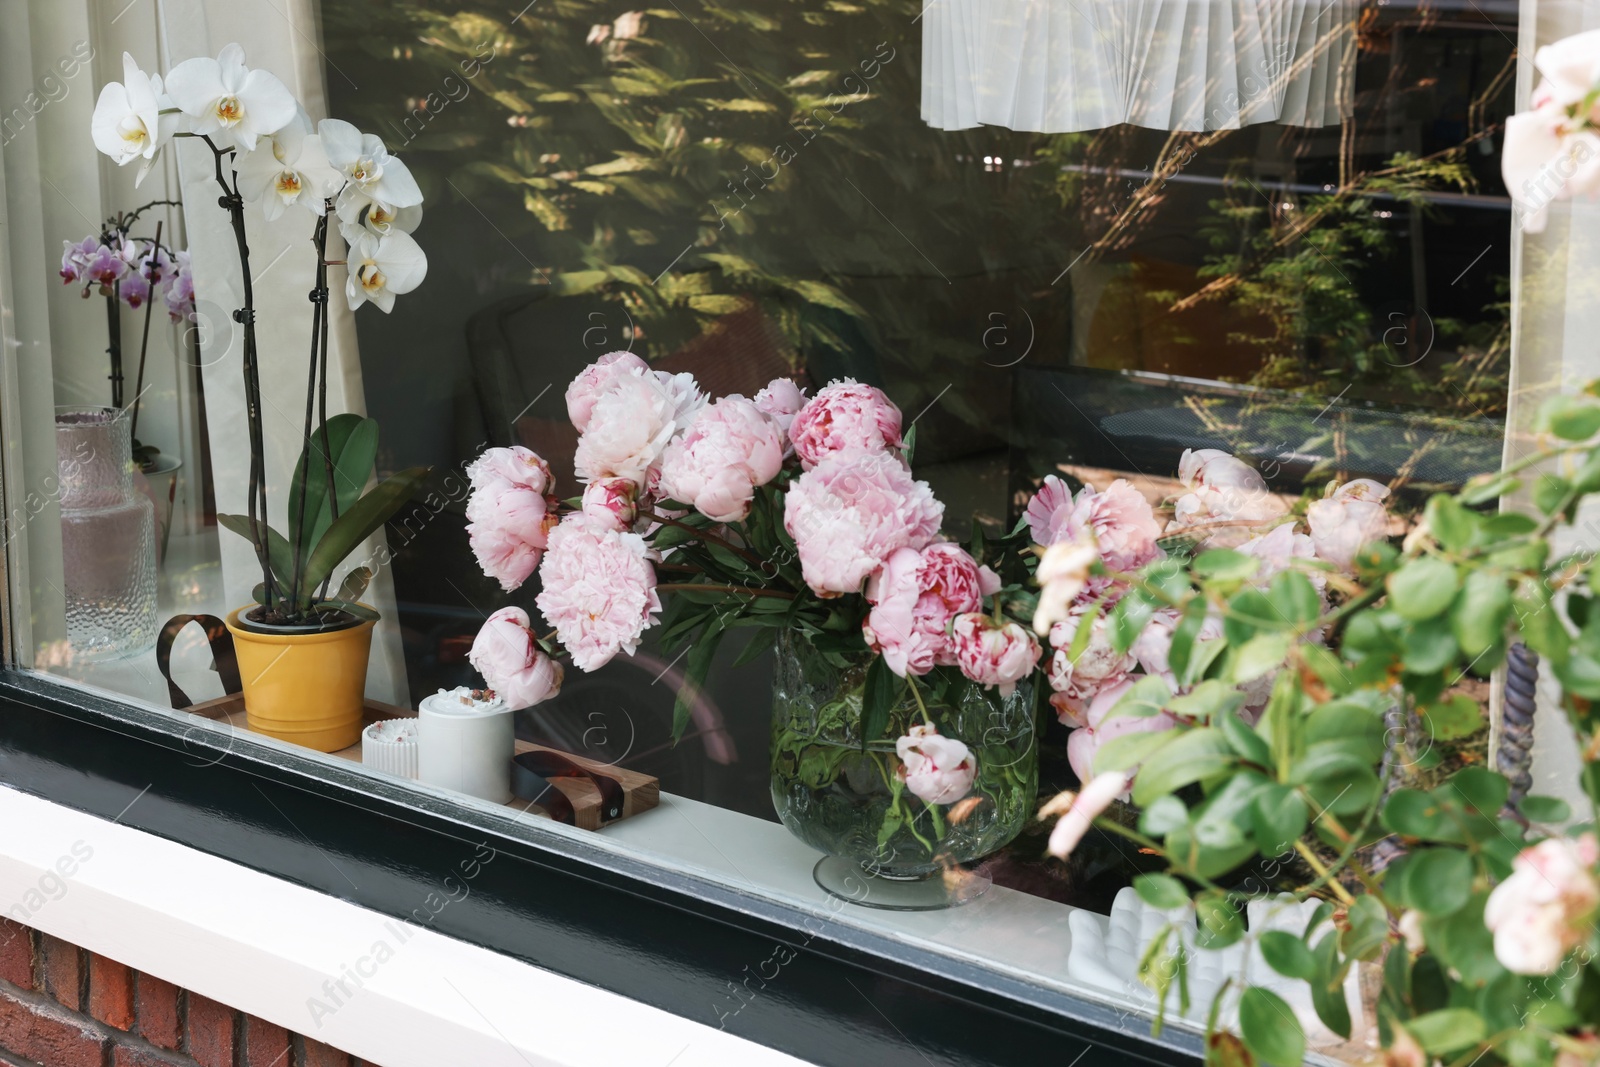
{"x":1084,"y":744}
{"x":1153,"y":645}
{"x":1352,"y":515}
{"x":1549,"y":153}
{"x":1077,"y":811}
{"x":1099,"y":666}
{"x":731,"y":448}
{"x":993,"y":653}
{"x":1063,"y":575}
{"x":611,"y":503}
{"x":1048,"y":511}
{"x":512,"y":663}
{"x":914,"y":597}
{"x":631,"y":423}
{"x":509,"y":515}
{"x":937,"y":769}
{"x":781,"y":399}
{"x":1545,"y":908}
{"x":846,"y":420}
{"x":594,"y":380}
{"x":1124,"y":525}
{"x":1222,"y":489}
{"x":1278,"y":549}
{"x":848,"y":516}
{"x":599,"y":590}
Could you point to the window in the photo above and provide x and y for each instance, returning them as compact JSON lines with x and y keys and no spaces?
{"x":743,"y":194}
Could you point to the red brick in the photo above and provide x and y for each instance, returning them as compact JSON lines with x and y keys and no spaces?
{"x":46,"y":1034}
{"x":16,"y":954}
{"x":210,"y":1032}
{"x":158,"y":1011}
{"x":110,"y":992}
{"x":63,"y":970}
{"x":320,"y":1055}
{"x":127,"y":1056}
{"x":265,"y":1045}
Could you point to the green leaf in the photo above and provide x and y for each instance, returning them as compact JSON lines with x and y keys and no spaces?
{"x":1438,"y":880}
{"x":1249,"y":612}
{"x":1480,"y":788}
{"x":878,"y":696}
{"x":1451,"y":524}
{"x":1294,"y":597}
{"x":1143,"y":700}
{"x":1245,"y":741}
{"x":1127,"y":751}
{"x":1128,"y":620}
{"x":1164,"y":816}
{"x":1278,"y":818}
{"x":1194,"y":755}
{"x":279,"y":553}
{"x":355,"y":583}
{"x":1260,"y":655}
{"x":1287,"y":954}
{"x":1455,"y":718}
{"x":1327,"y":988}
{"x":1545,"y":809}
{"x":353,"y":444}
{"x":1368,"y":928}
{"x":1447,"y":1030}
{"x":1161,"y":891}
{"x":1428,"y":646}
{"x":1224,"y":564}
{"x":1479,"y":618}
{"x":1413,"y":813}
{"x":1349,"y":721}
{"x":1550,"y":492}
{"x":1219,"y":921}
{"x":360,"y":611}
{"x":1460,"y":940}
{"x":1183,"y":638}
{"x":1422,"y":589}
{"x":759,"y":642}
{"x":358,"y":523}
{"x":1572,"y":418}
{"x":697,"y":664}
{"x":1270,"y":1029}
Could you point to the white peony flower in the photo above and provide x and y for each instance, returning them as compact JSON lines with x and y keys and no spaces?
{"x":224,"y":97}
{"x":381,"y":267}
{"x":371,"y":172}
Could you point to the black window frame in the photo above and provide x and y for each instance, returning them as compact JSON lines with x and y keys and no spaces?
{"x":668,"y":939}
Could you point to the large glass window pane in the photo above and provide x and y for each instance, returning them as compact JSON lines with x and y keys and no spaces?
{"x":1293,"y":247}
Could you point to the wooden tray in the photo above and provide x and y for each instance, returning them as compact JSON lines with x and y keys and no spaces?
{"x":640,"y":792}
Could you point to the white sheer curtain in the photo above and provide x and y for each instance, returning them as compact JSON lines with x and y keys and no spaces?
{"x":54,"y":185}
{"x":1060,"y":66}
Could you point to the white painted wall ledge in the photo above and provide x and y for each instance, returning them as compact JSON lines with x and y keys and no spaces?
{"x":397,"y":995}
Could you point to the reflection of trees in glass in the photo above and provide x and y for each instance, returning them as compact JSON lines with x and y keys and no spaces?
{"x":698,"y":162}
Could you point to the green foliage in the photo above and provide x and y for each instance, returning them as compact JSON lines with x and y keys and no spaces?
{"x":330,"y":528}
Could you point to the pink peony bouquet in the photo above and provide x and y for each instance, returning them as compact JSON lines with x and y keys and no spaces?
{"x":783,"y":513}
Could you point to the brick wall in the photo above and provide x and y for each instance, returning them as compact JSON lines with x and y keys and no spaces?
{"x":64,"y":1006}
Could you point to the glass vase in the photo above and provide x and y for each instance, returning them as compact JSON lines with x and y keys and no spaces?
{"x":885,"y":847}
{"x":108,"y":537}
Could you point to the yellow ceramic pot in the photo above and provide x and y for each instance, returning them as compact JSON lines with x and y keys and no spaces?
{"x":307,"y":688}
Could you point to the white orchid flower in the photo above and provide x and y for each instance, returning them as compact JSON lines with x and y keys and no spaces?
{"x":368,"y":167}
{"x":288,"y":168}
{"x":359,"y":213}
{"x":223,"y":96}
{"x":381,"y":267}
{"x":128,"y":123}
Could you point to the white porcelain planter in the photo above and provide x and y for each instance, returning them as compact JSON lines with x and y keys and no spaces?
{"x":391,"y":746}
{"x":466,"y":744}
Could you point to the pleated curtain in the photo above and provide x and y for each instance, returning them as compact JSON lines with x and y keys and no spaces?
{"x":1060,"y":66}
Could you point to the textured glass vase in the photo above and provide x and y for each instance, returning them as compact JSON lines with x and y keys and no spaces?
{"x":886,"y":847}
{"x":108,"y":537}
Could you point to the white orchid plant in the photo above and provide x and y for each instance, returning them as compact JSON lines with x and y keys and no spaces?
{"x":266,"y":150}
